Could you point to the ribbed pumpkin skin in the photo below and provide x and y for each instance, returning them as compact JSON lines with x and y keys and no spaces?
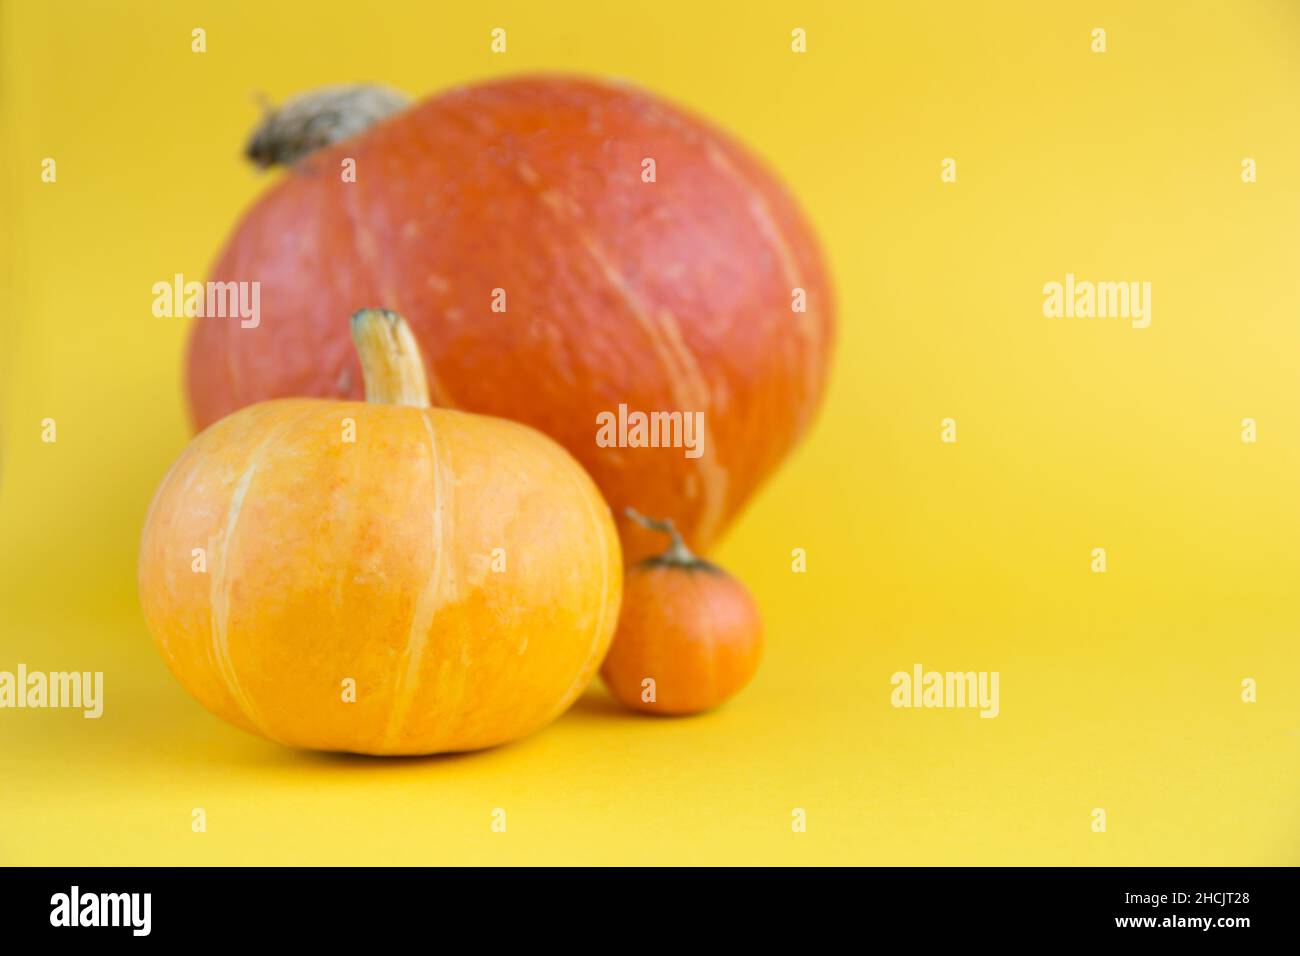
{"x":328,"y":560}
{"x":671,"y":295}
{"x":696,"y":633}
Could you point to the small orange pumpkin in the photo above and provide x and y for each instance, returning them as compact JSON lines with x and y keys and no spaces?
{"x":380,"y":577}
{"x":689,"y":634}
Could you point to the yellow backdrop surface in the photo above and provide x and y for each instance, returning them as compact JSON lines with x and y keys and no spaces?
{"x":1120,"y":691}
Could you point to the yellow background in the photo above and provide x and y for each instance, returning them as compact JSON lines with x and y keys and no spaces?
{"x":1119,"y":691}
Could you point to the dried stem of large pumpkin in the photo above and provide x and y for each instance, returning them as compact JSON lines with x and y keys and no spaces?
{"x":390,"y":359}
{"x":313,"y":120}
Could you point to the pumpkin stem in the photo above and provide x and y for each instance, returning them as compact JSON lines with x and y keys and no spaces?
{"x":390,"y":359}
{"x":677,"y":553}
{"x":311,"y":120}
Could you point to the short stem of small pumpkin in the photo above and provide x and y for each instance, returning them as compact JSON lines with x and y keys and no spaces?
{"x":677,"y":552}
{"x":390,"y":359}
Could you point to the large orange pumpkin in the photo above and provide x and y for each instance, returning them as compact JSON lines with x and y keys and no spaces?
{"x":380,"y":577}
{"x":642,"y":258}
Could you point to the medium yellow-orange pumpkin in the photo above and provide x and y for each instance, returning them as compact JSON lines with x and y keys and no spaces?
{"x":380,"y":577}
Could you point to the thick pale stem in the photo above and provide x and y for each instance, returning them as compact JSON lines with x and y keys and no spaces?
{"x":390,"y":359}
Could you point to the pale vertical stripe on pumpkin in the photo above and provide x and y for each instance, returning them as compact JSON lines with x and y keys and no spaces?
{"x":394,"y":374}
{"x":809,"y":329}
{"x":220,"y":593}
{"x":426,"y":605}
{"x":689,"y":388}
{"x":220,"y":600}
{"x":715,"y":476}
{"x":690,"y":391}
